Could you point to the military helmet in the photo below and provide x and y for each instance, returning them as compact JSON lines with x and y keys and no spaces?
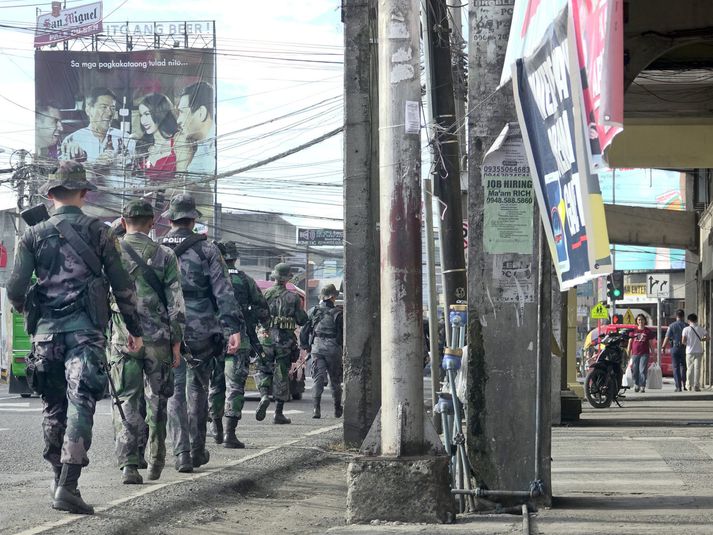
{"x":69,"y":175}
{"x":230,"y":250}
{"x":328,"y":291}
{"x":182,"y":206}
{"x":281,"y":273}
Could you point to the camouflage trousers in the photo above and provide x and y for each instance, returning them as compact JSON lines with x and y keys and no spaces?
{"x":226,"y":396}
{"x":273,"y":373}
{"x":72,"y":383}
{"x":144,"y":383}
{"x":178,"y":412}
{"x":323,"y":365}
{"x":193,"y":396}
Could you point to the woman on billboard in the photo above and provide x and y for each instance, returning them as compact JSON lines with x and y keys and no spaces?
{"x":155,"y":149}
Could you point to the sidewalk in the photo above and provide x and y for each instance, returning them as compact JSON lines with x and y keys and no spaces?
{"x":609,"y":476}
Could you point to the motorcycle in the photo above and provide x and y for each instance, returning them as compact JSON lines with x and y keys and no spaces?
{"x":603,"y":383}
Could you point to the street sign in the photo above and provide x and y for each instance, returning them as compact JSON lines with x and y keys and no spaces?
{"x":629,"y":317}
{"x":599,"y":312}
{"x":658,"y":285}
{"x":318,"y":237}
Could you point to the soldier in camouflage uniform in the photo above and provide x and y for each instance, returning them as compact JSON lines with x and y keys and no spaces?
{"x":274,"y":365}
{"x":231,"y":378}
{"x":66,"y":314}
{"x":212,"y":316}
{"x":325,"y":346}
{"x":144,"y":380}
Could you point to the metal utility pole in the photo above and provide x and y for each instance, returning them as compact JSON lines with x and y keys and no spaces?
{"x":446,"y":153}
{"x":362,"y":349}
{"x":400,"y":232}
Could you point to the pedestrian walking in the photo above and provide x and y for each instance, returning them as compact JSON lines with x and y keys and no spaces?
{"x":674,"y":334}
{"x":227,"y":385}
{"x":693,"y":337}
{"x":212,"y":317}
{"x":639,"y":350}
{"x":66,"y":312}
{"x":144,"y":379}
{"x":325,"y":345}
{"x":274,"y":365}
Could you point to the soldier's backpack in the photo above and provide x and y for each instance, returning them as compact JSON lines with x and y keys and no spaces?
{"x":307,"y":330}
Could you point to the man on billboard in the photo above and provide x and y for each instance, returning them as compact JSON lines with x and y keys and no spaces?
{"x":48,"y":130}
{"x":98,"y":142}
{"x":197,"y":125}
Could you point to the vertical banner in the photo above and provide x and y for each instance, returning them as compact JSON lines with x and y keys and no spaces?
{"x":598,"y":34}
{"x":142,"y":123}
{"x":547,"y":104}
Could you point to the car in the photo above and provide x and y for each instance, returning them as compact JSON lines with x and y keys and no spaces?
{"x":591,"y":344}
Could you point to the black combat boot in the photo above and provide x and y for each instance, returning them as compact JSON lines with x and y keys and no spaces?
{"x":55,"y":480}
{"x":67,"y":496}
{"x":216,"y":430}
{"x":155,"y":472}
{"x":280,"y":418}
{"x":184,"y":463}
{"x":262,"y":408}
{"x":316,"y":409}
{"x":231,"y":441}
{"x":200,"y":457}
{"x":130,"y":475}
{"x":338,"y":409}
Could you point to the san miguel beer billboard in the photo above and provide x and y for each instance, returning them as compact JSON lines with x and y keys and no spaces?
{"x":142,"y":123}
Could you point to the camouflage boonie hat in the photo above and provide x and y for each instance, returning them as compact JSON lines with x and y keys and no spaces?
{"x":138,"y":208}
{"x":329,"y":291}
{"x":281,"y":273}
{"x":183,"y":206}
{"x":69,"y":175}
{"x":230,"y":250}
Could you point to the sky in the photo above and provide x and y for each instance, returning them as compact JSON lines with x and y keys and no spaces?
{"x":283,"y":59}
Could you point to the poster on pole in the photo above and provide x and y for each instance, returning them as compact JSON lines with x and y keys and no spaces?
{"x":546,"y":102}
{"x":141,"y":122}
{"x":508,"y":195}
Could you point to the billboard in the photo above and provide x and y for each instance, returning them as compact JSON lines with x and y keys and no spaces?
{"x":142,"y":123}
{"x":62,"y":24}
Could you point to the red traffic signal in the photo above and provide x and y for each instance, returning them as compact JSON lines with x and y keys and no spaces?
{"x":617,"y":319}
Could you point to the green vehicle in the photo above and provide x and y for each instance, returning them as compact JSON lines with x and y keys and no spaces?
{"x":20,"y":348}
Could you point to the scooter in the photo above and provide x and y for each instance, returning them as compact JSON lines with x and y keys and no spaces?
{"x":603,"y":382}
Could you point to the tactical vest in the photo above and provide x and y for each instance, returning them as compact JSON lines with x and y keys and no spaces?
{"x":327,"y":326}
{"x":196,"y":292}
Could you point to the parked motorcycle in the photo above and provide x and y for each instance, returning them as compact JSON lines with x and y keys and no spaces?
{"x":603,"y":382}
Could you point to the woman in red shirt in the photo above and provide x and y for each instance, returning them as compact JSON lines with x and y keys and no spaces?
{"x":639,"y":351}
{"x":159,"y":126}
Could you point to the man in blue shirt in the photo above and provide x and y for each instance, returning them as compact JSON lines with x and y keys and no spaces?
{"x":678,"y":350}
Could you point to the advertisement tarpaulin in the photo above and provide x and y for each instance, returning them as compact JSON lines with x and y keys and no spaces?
{"x":141,"y":122}
{"x":598,"y":27}
{"x":567,"y":194}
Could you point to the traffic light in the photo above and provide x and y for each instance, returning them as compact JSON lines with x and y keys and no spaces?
{"x":617,"y":319}
{"x":615,"y":286}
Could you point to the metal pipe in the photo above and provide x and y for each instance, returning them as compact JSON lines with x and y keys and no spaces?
{"x":484,"y":493}
{"x":539,"y":356}
{"x":400,"y":228}
{"x":432,"y":300}
{"x":525,"y":520}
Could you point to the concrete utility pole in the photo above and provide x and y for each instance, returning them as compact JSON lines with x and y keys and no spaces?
{"x":362,"y":350}
{"x":446,"y":154}
{"x":406,"y":461}
{"x":509,"y":329}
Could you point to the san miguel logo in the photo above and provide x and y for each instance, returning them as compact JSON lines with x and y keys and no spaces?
{"x":61,"y":24}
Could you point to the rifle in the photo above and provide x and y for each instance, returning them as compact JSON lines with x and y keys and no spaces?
{"x":112,"y":391}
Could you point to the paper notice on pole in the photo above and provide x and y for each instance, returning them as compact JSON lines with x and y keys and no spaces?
{"x":508,"y":195}
{"x":514,"y":280}
{"x":412,"y":117}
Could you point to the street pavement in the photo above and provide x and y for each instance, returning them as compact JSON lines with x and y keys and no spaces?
{"x":644,"y":468}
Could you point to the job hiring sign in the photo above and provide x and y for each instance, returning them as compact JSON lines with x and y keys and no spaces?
{"x":548,"y":101}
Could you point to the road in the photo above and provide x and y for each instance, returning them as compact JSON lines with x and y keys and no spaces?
{"x":24,"y":475}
